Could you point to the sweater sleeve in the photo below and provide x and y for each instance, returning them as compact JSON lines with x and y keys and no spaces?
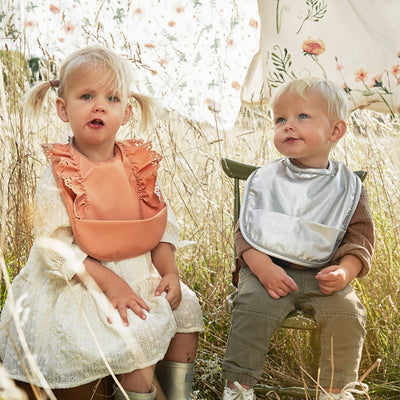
{"x":359,"y":239}
{"x":240,"y":244}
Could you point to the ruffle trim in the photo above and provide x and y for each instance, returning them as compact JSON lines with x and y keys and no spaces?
{"x":65,"y":165}
{"x":143,"y":163}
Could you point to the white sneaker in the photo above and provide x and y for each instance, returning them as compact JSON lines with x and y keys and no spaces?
{"x":346,"y":393}
{"x":238,"y":393}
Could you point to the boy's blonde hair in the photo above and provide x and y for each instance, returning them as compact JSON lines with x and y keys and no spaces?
{"x":119,"y":76}
{"x":335,"y":97}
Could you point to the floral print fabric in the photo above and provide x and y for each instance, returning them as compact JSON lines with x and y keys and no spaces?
{"x":354,"y":43}
{"x":191,"y":54}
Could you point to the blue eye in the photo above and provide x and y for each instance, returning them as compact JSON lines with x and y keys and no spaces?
{"x":86,"y":97}
{"x":113,"y":99}
{"x":280,"y":120}
{"x":303,"y":116}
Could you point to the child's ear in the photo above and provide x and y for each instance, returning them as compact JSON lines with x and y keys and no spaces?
{"x":338,"y":131}
{"x":62,"y":109}
{"x":127,"y":115}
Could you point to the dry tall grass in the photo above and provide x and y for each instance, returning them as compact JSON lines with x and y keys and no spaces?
{"x":202,"y":198}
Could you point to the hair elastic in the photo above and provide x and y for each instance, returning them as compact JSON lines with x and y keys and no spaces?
{"x":54,"y":83}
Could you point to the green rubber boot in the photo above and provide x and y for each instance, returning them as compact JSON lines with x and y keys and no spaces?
{"x":176,"y":379}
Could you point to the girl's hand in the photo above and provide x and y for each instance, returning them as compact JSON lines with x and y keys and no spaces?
{"x":118,"y":292}
{"x":164,"y":260}
{"x":171,"y":285}
{"x":122,"y":298}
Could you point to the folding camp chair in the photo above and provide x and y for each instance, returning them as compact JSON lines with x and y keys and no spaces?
{"x":296,"y":319}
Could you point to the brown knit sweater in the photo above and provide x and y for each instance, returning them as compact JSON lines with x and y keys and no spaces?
{"x":358,"y":240}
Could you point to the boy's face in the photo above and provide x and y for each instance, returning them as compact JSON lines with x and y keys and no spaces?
{"x":303,"y":130}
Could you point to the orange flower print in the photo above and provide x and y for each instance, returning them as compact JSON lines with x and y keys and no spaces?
{"x":69,"y":28}
{"x":163,"y":61}
{"x":253,"y":23}
{"x":54,"y":9}
{"x":212,"y":105}
{"x":171,"y":23}
{"x":150,"y":45}
{"x":180,"y":9}
{"x":230,"y":42}
{"x":361,"y":74}
{"x":313,"y":46}
{"x":236,"y":85}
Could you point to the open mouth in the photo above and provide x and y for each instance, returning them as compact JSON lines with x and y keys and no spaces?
{"x":97,"y":122}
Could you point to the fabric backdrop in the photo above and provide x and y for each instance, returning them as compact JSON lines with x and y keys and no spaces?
{"x":192,"y":54}
{"x":355,"y":43}
{"x":195,"y":54}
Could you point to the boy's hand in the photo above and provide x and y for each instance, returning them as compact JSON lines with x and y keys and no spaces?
{"x":332,"y":279}
{"x":274,"y":278}
{"x":171,"y":285}
{"x":277,"y":282}
{"x":335,"y":277}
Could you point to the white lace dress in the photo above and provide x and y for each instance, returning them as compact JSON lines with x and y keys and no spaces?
{"x":65,"y":325}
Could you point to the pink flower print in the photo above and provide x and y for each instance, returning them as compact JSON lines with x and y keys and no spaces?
{"x":396,"y":72}
{"x":313,"y":46}
{"x":180,"y":9}
{"x":340,"y":66}
{"x":30,"y":24}
{"x":54,"y":9}
{"x":361,"y":74}
{"x":376,"y":80}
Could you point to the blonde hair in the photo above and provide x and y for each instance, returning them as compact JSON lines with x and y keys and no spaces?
{"x":119,"y":76}
{"x":335,"y":97}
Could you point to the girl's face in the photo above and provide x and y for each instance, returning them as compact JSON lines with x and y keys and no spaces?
{"x":94,"y":112}
{"x":303,"y":130}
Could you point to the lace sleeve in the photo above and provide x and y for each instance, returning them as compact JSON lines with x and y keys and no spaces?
{"x":171,"y":234}
{"x":61,"y":255}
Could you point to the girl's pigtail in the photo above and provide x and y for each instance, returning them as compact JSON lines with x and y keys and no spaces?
{"x":33,"y":99}
{"x":147,"y":107}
